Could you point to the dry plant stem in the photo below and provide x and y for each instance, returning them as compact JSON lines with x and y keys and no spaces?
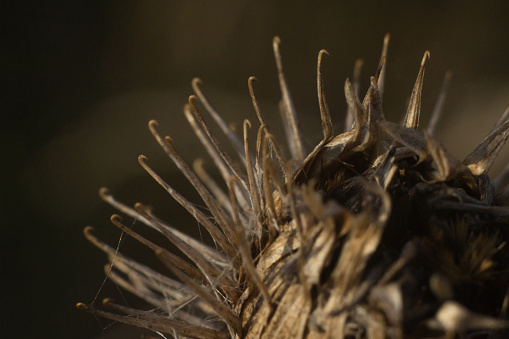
{"x":247,"y":259}
{"x":234,"y":139}
{"x":381,"y":80}
{"x":263,"y":125}
{"x":414,"y":107}
{"x":199,"y":216}
{"x":439,"y":105}
{"x":378,"y":232}
{"x":356,"y":87}
{"x":253,"y":184}
{"x":295,"y":139}
{"x":328,"y":132}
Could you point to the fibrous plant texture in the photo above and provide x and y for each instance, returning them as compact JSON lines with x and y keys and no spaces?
{"x":376,"y":233}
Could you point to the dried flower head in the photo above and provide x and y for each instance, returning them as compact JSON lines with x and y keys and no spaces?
{"x":377,"y":233}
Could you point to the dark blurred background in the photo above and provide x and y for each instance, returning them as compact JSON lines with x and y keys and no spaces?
{"x":81,"y":79}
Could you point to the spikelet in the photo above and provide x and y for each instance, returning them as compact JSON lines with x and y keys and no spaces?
{"x":376,"y":233}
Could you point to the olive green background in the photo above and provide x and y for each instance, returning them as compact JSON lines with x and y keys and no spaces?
{"x":82,"y":79}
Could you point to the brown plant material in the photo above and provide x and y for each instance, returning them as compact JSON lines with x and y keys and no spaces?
{"x":377,"y":233}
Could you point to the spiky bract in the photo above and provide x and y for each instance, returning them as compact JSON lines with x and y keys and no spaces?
{"x":377,"y":233}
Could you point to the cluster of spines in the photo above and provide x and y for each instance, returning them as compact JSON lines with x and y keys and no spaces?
{"x":265,"y":200}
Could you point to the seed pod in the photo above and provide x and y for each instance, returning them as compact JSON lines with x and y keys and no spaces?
{"x":378,"y":232}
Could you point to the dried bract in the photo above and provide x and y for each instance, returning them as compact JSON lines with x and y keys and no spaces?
{"x":377,"y":233}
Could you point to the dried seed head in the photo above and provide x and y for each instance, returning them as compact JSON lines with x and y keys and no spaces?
{"x":348,"y":241}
